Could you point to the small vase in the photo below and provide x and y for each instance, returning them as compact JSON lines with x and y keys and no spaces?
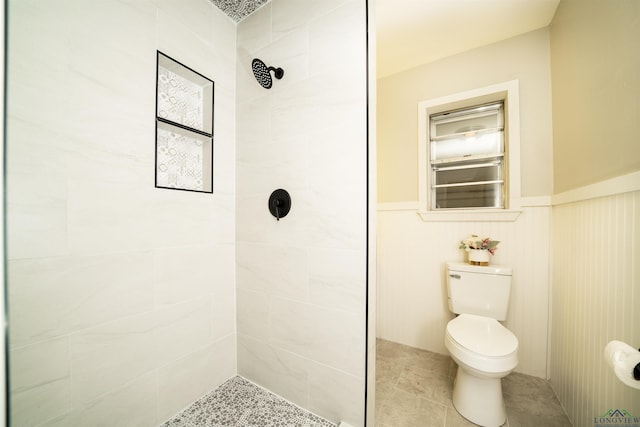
{"x":479,"y":257}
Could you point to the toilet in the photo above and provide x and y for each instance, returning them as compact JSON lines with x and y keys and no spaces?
{"x":483,"y":348}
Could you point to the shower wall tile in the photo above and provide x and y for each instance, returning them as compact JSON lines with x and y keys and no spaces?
{"x":342,"y":286}
{"x":338,"y":224}
{"x":65,"y":45}
{"x":291,"y":53}
{"x":289,"y":15}
{"x":334,"y":40}
{"x":176,"y":281}
{"x":51,"y":297}
{"x":251,"y":138}
{"x":267,"y":174}
{"x":206,"y":55}
{"x":223,"y":312}
{"x":302,"y":280}
{"x":261,"y":172}
{"x":338,"y":340}
{"x":292,"y":109}
{"x":317,"y":106}
{"x":186,"y":380}
{"x":291,"y":326}
{"x":333,"y":147}
{"x":40,"y":381}
{"x":109,"y":356}
{"x":113,"y":222}
{"x":280,"y":371}
{"x":39,"y":207}
{"x":331,"y":337}
{"x":256,"y":32}
{"x":259,"y":226}
{"x":133,"y":405}
{"x":183,"y":329}
{"x":133,"y":278}
{"x":195,"y":15}
{"x":224,"y":145}
{"x":128,"y":218}
{"x":280,"y":271}
{"x":39,"y":151}
{"x":337,"y":394}
{"x":253,"y":313}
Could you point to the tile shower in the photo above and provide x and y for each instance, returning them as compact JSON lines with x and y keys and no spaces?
{"x":129,"y":302}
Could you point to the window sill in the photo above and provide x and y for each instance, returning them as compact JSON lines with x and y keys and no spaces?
{"x":470,"y":215}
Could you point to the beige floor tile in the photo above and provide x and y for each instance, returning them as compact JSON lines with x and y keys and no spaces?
{"x":414,"y":389}
{"x":432,"y":385}
{"x":407,"y":410}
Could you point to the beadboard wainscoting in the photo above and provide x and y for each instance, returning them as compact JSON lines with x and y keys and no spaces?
{"x":412,"y":307}
{"x":595,"y":299}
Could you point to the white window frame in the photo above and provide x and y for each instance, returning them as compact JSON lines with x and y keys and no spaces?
{"x":508,"y":92}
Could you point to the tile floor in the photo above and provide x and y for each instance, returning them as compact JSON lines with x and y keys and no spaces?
{"x":240,"y":403}
{"x":414,"y":387}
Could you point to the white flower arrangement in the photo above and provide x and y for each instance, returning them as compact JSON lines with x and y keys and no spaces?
{"x":482,"y":243}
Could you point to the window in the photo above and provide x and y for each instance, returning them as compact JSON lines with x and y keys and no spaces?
{"x":469,"y":155}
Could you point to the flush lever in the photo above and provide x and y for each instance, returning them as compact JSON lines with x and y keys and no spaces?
{"x":455,"y":276}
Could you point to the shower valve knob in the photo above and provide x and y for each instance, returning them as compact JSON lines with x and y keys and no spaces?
{"x":279,"y":203}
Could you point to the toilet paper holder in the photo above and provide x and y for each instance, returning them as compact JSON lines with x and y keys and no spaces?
{"x":624,"y":360}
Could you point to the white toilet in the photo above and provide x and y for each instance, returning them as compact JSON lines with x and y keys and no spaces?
{"x":484,"y":350}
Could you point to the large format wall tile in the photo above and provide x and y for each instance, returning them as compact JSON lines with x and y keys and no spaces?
{"x":343,"y":285}
{"x":335,"y":338}
{"x":302,"y":280}
{"x":38,"y":207}
{"x":336,"y":394}
{"x":177,"y":281}
{"x":279,"y":270}
{"x":40,"y":381}
{"x":253,"y":315}
{"x":120,"y":282}
{"x":280,"y":371}
{"x":56,"y":296}
{"x":133,"y":405}
{"x":186,"y":380}
{"x":107,"y":357}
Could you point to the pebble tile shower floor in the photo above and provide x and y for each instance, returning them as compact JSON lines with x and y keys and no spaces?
{"x":241,"y":403}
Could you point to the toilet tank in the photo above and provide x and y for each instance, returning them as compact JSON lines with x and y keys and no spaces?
{"x":479,"y":290}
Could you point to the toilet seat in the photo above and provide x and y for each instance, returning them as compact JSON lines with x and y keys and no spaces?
{"x":482,"y":335}
{"x":482,"y":343}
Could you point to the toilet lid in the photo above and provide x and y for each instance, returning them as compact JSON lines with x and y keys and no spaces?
{"x":482,"y":335}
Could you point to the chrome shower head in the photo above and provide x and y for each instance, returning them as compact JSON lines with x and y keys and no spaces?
{"x":263,"y":73}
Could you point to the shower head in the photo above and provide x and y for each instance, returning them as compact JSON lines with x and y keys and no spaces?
{"x":263,"y":73}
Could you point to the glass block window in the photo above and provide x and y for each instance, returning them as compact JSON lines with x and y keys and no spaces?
{"x":184,"y":127}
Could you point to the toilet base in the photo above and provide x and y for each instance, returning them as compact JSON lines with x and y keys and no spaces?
{"x":479,"y":399}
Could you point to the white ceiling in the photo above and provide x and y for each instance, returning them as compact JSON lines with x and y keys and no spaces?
{"x":414,"y":32}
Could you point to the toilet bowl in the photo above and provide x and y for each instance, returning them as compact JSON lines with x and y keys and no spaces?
{"x":485,"y":352}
